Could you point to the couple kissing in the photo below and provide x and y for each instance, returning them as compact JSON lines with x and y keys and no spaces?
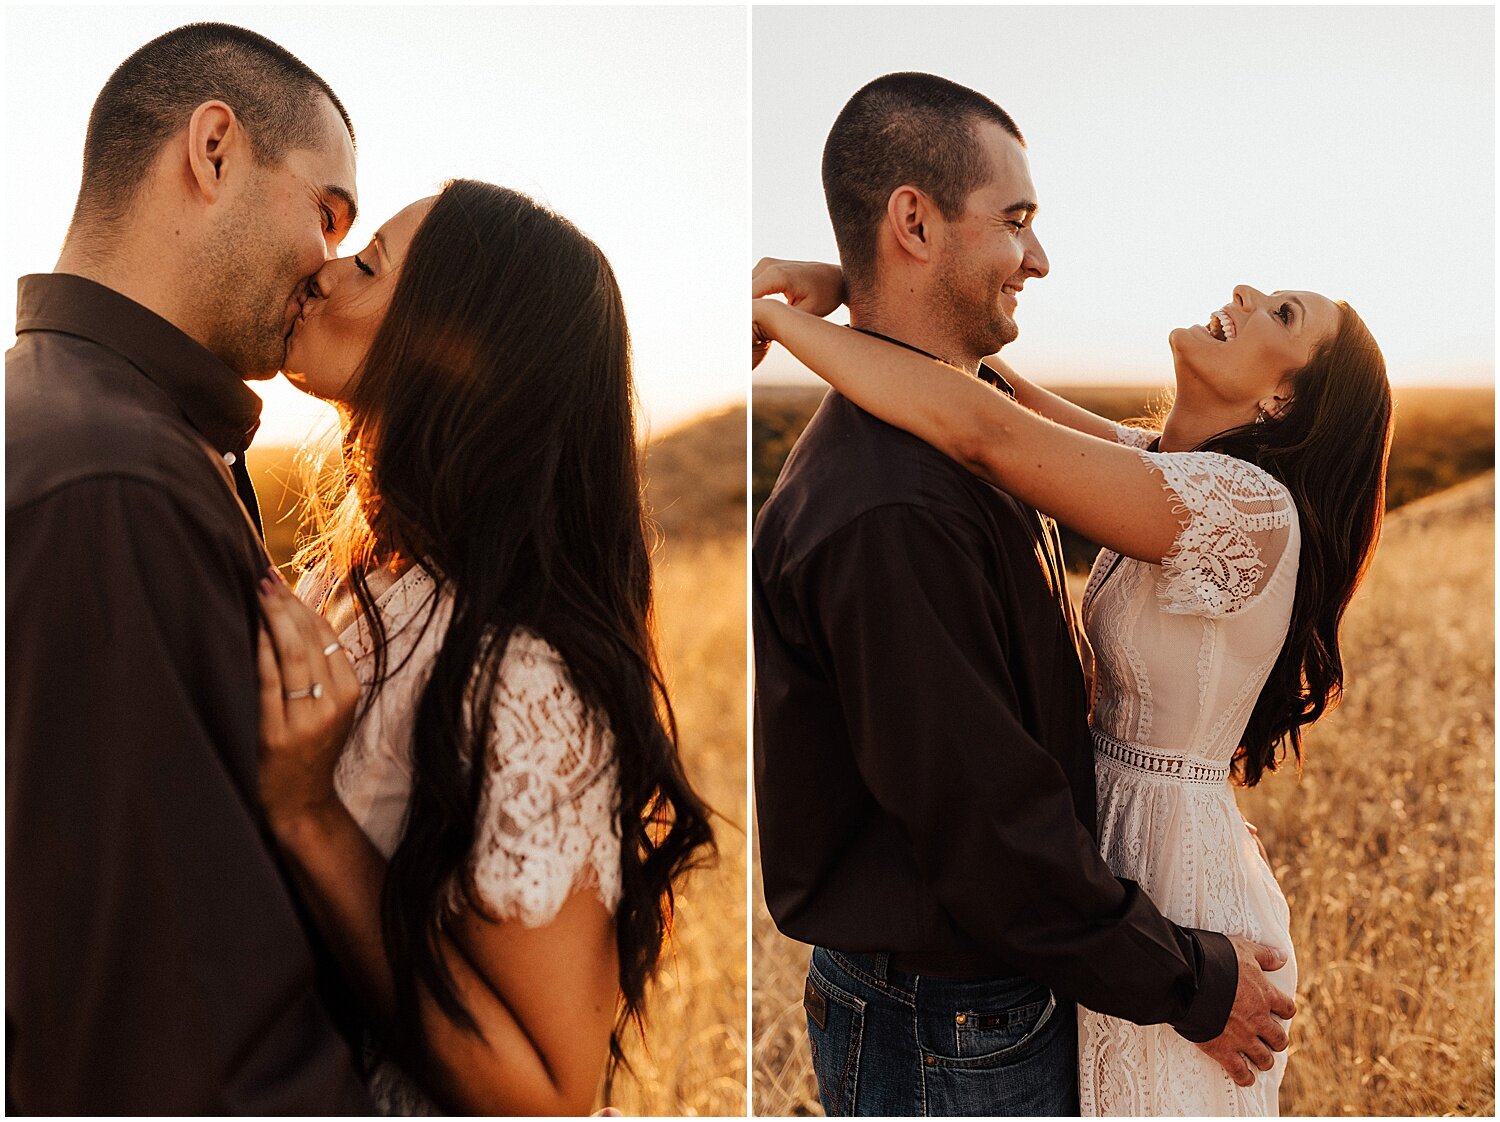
{"x":406,"y":837}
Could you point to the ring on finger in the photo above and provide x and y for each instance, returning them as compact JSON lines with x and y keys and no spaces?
{"x":313,"y":691}
{"x":333,"y":646}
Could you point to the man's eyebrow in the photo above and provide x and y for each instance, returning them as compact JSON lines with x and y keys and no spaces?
{"x":347,"y":197}
{"x":1029,"y":207}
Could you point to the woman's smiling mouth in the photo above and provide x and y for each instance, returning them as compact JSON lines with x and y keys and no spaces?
{"x":1221,"y":325}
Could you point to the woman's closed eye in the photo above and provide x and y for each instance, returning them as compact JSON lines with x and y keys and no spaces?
{"x":1284,"y":313}
{"x":369,"y":272}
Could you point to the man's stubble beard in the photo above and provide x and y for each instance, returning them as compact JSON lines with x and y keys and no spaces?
{"x":246,"y":283}
{"x":967,"y":301}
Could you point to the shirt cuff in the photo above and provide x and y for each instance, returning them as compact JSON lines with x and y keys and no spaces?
{"x":1218,"y":979}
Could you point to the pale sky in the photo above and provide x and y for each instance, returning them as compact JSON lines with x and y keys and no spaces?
{"x":1179,"y":151}
{"x":629,"y":121}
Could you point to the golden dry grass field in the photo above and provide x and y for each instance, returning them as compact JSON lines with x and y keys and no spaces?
{"x":1384,"y":847}
{"x":692,"y":1060}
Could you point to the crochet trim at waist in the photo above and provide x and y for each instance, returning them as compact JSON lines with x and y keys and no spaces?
{"x":1158,"y":764}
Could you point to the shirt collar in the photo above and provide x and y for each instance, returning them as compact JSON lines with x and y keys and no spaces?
{"x":986,"y":373}
{"x":213,"y":397}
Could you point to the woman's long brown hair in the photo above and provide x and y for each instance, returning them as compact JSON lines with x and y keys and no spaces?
{"x":1329,"y":447}
{"x":491,"y":440}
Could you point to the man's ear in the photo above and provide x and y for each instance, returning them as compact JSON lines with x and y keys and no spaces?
{"x":215,"y":142}
{"x":910,"y":213}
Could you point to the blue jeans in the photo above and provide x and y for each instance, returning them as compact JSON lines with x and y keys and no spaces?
{"x":886,"y":1043}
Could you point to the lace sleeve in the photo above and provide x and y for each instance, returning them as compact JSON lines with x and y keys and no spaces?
{"x":547,"y":812}
{"x":1236,"y":523}
{"x":1134,"y":438}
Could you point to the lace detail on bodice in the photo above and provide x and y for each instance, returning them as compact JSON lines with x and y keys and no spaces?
{"x":1134,"y":438}
{"x":1181,"y":651}
{"x":547,"y":816}
{"x":1235,"y":518}
{"x":547,"y":805}
{"x":1122,"y":697}
{"x":547,"y":824}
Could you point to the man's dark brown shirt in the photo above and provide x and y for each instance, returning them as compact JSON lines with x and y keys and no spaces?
{"x":155,"y":962}
{"x":924,"y":772}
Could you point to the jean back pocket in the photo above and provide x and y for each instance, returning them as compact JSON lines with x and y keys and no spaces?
{"x":835,"y":1031}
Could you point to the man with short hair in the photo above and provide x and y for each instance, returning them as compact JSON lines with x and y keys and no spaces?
{"x":156,"y":960}
{"x":924,"y":769}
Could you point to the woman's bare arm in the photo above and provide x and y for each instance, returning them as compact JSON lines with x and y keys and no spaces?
{"x":1101,"y":489}
{"x":1050,"y":405}
{"x":818,"y":287}
{"x":543,"y":997}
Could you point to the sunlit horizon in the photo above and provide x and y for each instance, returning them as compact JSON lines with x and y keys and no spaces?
{"x":781,"y":369}
{"x":437,"y":93}
{"x":292,"y":418}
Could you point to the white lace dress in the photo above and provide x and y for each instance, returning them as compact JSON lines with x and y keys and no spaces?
{"x":1181,"y":651}
{"x":546,"y":821}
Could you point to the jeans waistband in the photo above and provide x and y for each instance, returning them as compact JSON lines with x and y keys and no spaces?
{"x":899,"y":968}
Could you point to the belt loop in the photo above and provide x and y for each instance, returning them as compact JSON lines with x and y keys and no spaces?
{"x":883,"y":967}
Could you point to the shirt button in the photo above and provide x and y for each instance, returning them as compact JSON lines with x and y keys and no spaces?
{"x":229,"y":458}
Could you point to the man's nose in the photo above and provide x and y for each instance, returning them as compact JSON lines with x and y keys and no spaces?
{"x":321,"y":283}
{"x":1035,"y":262}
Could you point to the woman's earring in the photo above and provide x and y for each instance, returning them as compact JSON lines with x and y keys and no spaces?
{"x":1261,"y":416}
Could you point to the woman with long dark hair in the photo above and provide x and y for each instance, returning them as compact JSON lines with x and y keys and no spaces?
{"x":469,"y":758}
{"x":1234,"y":538}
